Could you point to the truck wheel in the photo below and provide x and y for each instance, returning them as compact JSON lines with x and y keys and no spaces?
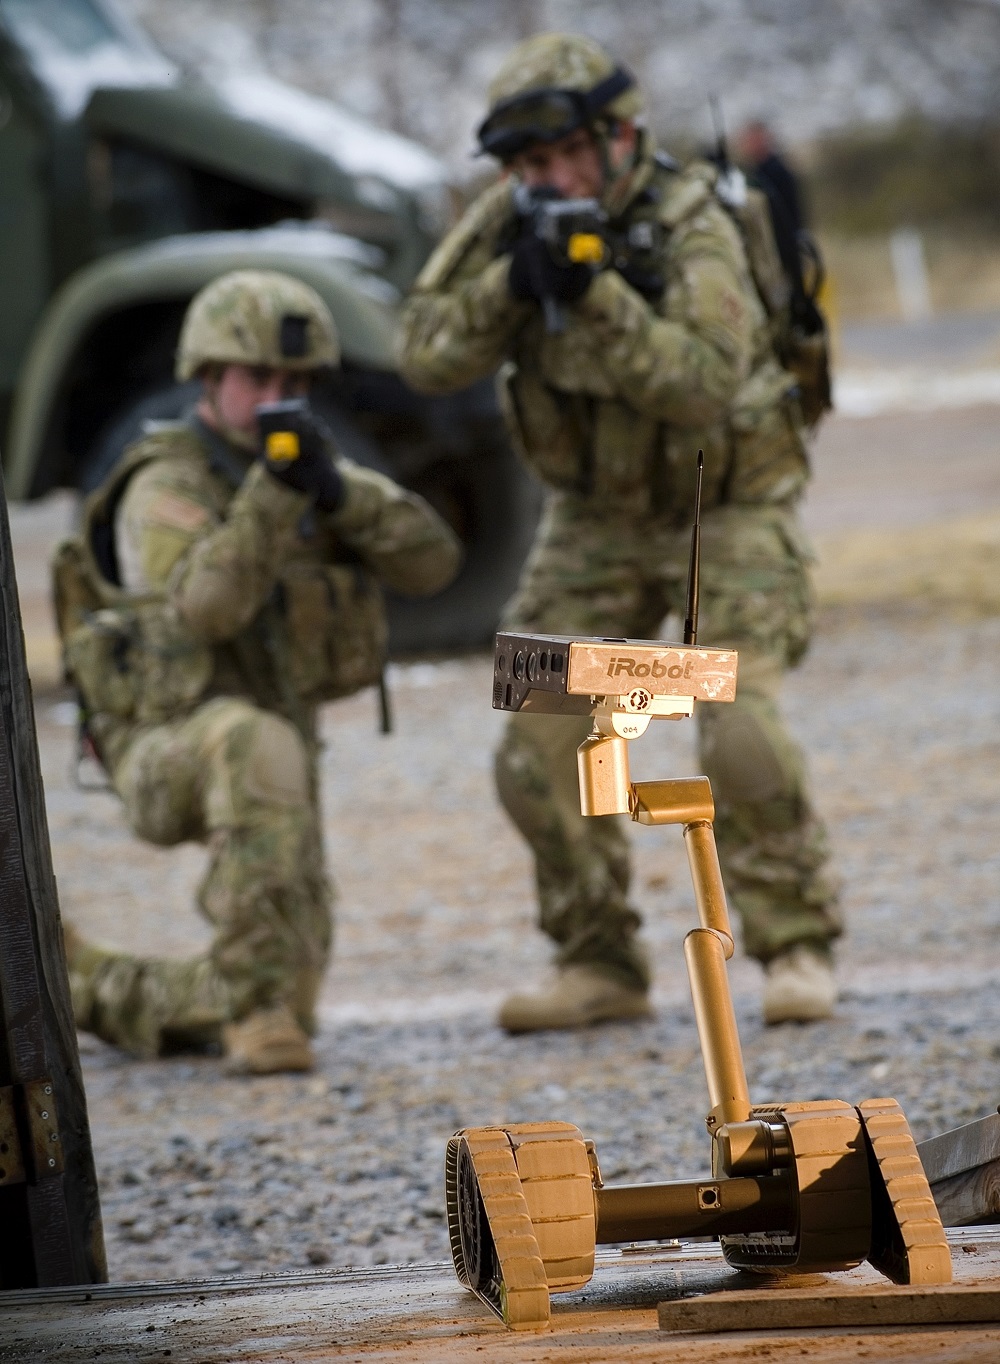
{"x":493,"y":505}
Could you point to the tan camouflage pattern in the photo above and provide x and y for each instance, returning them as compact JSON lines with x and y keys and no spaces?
{"x":611,"y":414}
{"x":138,"y":662}
{"x":240,"y":780}
{"x":627,"y":394}
{"x":236,"y":320}
{"x":591,"y":573}
{"x":220,"y":556}
{"x":237,"y":771}
{"x":559,"y":61}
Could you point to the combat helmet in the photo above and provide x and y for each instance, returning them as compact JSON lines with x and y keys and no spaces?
{"x":550,"y":85}
{"x":257,"y":317}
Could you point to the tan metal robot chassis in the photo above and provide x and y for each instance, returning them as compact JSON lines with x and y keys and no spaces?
{"x":794,"y":1187}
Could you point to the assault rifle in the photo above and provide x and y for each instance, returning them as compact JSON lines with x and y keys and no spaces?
{"x":573,"y":231}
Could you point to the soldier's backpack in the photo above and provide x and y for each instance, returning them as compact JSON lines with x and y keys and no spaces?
{"x":128,"y":656}
{"x":788,"y":272}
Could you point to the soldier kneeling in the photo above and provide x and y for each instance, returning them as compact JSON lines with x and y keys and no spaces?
{"x":226,"y":584}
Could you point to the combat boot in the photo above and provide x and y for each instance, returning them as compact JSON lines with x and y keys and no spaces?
{"x":579,"y":996}
{"x":265,"y":1042}
{"x":308,"y":984}
{"x":799,"y":987}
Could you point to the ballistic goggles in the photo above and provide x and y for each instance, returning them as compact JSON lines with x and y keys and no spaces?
{"x":546,"y":115}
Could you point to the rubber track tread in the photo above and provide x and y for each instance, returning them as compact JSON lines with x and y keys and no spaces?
{"x":554,"y":1169}
{"x":909,"y":1245}
{"x":516,"y":1289}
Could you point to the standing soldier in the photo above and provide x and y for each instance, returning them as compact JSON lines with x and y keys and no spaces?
{"x":224,"y":586}
{"x":664,"y":351}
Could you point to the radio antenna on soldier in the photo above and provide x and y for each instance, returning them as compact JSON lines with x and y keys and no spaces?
{"x":694,"y":565}
{"x":718,"y":123}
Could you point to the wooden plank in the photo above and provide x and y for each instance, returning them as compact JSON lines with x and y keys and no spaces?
{"x":419,"y":1313}
{"x":961,"y":1149}
{"x":52,"y":1224}
{"x":970,"y":1197}
{"x":801,"y":1308}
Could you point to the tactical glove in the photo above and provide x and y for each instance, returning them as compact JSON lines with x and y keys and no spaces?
{"x":536,"y":274}
{"x":294,"y":447}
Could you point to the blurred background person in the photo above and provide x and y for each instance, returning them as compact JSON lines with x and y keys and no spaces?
{"x":756,"y":149}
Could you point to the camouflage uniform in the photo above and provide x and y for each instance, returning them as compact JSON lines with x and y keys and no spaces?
{"x":249,"y":566}
{"x":610,"y":414}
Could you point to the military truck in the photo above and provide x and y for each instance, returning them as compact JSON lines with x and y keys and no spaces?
{"x":128,"y":184}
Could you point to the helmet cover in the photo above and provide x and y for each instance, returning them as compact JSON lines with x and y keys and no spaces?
{"x":257,"y":317}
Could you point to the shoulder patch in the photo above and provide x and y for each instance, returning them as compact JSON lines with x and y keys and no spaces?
{"x":168,"y":508}
{"x":731,"y":306}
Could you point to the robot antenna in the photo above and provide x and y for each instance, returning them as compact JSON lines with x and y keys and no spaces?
{"x":694,"y":565}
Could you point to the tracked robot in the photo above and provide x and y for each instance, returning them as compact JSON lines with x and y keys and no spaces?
{"x":795,"y":1188}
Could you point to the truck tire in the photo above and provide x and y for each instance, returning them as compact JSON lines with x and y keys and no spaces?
{"x":493,"y":504}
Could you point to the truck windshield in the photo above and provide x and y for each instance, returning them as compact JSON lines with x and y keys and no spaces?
{"x":73,"y":25}
{"x":76,"y":45}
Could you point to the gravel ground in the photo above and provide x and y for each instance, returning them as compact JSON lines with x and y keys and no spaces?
{"x":899,"y":710}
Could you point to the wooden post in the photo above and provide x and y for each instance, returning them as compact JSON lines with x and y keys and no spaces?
{"x":49,"y":1208}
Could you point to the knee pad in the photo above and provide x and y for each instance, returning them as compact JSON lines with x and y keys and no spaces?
{"x":258,"y":762}
{"x":521,"y":779}
{"x":277,"y":765}
{"x":748,"y":755}
{"x":536,"y":772}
